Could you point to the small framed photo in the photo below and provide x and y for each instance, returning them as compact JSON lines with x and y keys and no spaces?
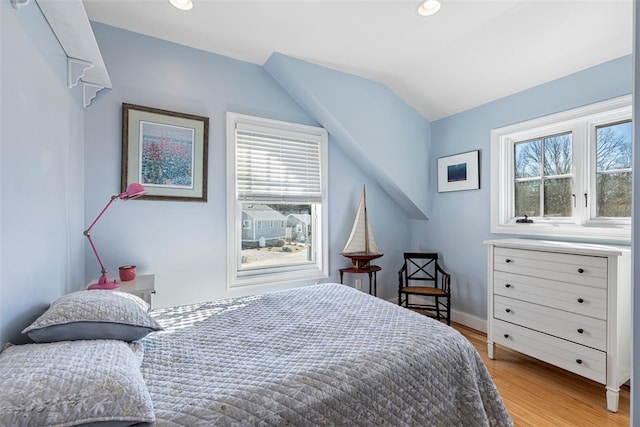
{"x":166,"y":152}
{"x":459,"y":172}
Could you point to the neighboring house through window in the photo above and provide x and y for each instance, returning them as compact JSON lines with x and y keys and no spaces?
{"x":568,"y":174}
{"x":276,"y":172}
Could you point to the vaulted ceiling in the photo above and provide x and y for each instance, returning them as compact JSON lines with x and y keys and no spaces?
{"x":470,"y":53}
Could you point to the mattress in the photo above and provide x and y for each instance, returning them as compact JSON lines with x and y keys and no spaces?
{"x":319,"y":355}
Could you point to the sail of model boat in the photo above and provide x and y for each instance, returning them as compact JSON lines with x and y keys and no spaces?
{"x":361,"y":246}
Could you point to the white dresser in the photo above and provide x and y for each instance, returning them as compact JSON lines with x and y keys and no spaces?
{"x":568,"y":304}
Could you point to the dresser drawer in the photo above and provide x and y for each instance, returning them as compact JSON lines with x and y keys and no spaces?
{"x":573,"y":357}
{"x":579,"y":269}
{"x":573,"y":327}
{"x":579,"y":299}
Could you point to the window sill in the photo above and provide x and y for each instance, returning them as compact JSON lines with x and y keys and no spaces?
{"x":618,"y":233}
{"x":302,"y":276}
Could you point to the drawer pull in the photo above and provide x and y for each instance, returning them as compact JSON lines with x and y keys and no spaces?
{"x":579,"y":361}
{"x":507,"y":260}
{"x":580,"y":270}
{"x":508,"y":310}
{"x":580,"y":300}
{"x":507,"y":285}
{"x":506,"y":335}
{"x":580,"y":331}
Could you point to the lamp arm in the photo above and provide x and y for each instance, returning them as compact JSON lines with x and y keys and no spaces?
{"x":103,"y":270}
{"x":104,"y":279}
{"x":133,"y":191}
{"x":88,"y":230}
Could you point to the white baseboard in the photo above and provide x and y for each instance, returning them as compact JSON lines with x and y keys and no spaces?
{"x":469,"y":320}
{"x":466,"y":319}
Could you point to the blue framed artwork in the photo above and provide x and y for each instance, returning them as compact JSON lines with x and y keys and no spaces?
{"x":166,"y":152}
{"x":459,"y":172}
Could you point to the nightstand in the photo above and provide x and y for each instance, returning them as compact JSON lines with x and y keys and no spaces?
{"x":142,"y":286}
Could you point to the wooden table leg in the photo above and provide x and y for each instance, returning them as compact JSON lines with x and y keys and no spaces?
{"x":375,"y":283}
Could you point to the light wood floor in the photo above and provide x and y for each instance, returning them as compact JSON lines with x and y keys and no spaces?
{"x":538,"y":394}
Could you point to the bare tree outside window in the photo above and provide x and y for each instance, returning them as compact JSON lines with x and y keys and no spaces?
{"x":613,"y":170}
{"x":543,"y":176}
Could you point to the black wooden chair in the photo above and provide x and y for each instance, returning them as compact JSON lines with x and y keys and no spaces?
{"x":422,"y":277}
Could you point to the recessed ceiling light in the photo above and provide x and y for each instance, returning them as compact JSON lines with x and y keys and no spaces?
{"x":428,"y":7}
{"x":182,"y":4}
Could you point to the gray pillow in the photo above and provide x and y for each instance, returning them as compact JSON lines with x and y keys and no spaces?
{"x":72,"y":383}
{"x":92,"y":315}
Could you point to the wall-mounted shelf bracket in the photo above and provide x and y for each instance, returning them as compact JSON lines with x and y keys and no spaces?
{"x":70,"y":24}
{"x":90,"y":91}
{"x":76,"y":69}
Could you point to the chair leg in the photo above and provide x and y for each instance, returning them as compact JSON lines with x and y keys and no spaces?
{"x":449,"y":310}
{"x":437,"y":309}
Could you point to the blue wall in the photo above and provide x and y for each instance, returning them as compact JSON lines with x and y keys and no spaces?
{"x":184,"y":244}
{"x":41,"y":171}
{"x":368,"y":121}
{"x":460,"y":220}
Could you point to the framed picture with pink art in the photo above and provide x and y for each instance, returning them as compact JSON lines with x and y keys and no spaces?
{"x":166,"y":152}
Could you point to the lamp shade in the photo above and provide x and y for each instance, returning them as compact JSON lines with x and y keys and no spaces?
{"x":133,"y":191}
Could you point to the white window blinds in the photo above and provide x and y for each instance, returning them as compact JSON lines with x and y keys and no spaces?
{"x":277,"y":165}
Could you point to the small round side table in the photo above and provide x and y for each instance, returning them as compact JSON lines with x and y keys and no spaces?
{"x":372,"y":271}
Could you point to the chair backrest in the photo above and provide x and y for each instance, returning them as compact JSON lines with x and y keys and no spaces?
{"x":420,"y":269}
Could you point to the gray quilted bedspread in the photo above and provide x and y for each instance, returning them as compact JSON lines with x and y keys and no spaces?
{"x":319,"y":355}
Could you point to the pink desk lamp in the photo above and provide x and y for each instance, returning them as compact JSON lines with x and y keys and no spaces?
{"x":134,"y":190}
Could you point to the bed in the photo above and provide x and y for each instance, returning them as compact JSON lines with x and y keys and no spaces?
{"x":319,"y":355}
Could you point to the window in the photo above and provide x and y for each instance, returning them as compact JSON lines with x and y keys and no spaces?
{"x":613,"y":170}
{"x":543,"y":176}
{"x":567,"y":175}
{"x":277,"y":179}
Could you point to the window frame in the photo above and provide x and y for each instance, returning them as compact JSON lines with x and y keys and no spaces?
{"x":582,"y":122}
{"x":310,"y":272}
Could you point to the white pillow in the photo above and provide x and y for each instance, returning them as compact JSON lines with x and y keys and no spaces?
{"x":91,"y":315}
{"x":73,"y":382}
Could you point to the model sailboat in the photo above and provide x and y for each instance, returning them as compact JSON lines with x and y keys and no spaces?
{"x":361,"y":246}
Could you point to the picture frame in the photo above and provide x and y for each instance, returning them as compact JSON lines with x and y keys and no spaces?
{"x":166,"y":152}
{"x":459,"y":172}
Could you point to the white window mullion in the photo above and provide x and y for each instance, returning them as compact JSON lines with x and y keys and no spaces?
{"x":581,"y":161}
{"x":542,"y":178}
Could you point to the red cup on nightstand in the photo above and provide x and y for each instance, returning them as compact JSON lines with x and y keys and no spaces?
{"x":127,"y":272}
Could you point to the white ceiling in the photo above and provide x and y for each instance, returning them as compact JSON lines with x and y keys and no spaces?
{"x":470,"y":53}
